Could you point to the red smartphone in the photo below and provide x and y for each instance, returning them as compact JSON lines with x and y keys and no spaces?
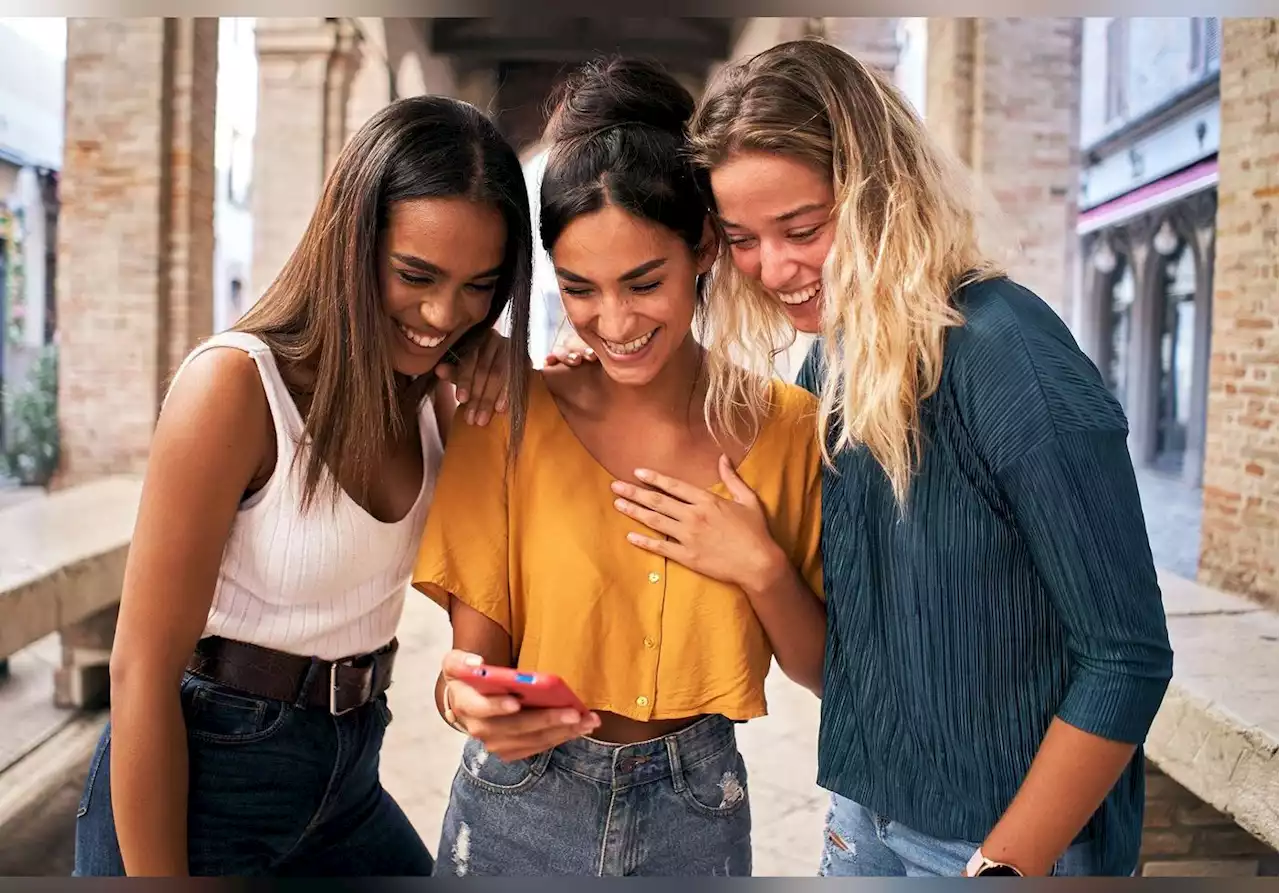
{"x":530,"y":689}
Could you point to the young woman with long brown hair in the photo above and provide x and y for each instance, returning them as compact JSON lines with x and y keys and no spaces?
{"x":289,"y":477}
{"x":996,"y":643}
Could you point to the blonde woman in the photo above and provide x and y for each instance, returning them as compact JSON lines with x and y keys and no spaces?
{"x":996,"y":644}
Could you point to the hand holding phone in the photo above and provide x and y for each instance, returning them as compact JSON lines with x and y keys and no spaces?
{"x":513,"y":713}
{"x":530,"y":689}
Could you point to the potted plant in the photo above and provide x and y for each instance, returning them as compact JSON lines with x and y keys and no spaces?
{"x":31,"y":420}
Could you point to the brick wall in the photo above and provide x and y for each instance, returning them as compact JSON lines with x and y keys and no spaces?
{"x":1003,"y":96}
{"x":1239,"y":527}
{"x":295,"y":121}
{"x":135,"y":237}
{"x":192,"y":183}
{"x":1184,"y":837}
{"x":949,"y":85}
{"x":874,"y":41}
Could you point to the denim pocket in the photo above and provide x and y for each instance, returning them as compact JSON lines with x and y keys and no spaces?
{"x":496,"y":776}
{"x":218,"y":715}
{"x":717,"y":786}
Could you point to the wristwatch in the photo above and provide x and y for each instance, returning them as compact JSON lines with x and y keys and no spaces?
{"x":980,"y":866}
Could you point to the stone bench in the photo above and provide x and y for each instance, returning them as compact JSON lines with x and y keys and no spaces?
{"x":62,"y":560}
{"x":1216,"y":732}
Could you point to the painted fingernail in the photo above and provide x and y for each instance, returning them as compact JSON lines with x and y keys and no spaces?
{"x":635,"y":538}
{"x":573,"y":358}
{"x":620,"y":504}
{"x":473,"y":660}
{"x":644,"y":474}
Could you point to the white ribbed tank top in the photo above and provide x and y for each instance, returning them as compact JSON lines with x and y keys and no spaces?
{"x":329,"y":583}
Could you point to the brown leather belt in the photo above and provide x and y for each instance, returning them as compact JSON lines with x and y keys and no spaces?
{"x":337,"y":686}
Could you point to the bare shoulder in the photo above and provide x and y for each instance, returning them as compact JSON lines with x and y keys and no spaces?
{"x":575,"y":387}
{"x":219,"y":382}
{"x":216,"y":413}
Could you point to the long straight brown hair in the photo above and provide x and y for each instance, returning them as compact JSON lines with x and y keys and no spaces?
{"x":323,"y":314}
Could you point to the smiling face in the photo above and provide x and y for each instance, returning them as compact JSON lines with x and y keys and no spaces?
{"x":629,"y":288}
{"x":443,"y":257}
{"x":776,"y":213}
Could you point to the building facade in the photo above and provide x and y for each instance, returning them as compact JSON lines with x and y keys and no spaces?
{"x":1150,"y":127}
{"x":32,"y":72}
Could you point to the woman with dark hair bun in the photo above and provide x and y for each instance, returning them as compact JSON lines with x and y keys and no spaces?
{"x":663,"y":613}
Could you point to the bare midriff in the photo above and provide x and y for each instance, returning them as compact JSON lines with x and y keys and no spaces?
{"x":615,"y":729}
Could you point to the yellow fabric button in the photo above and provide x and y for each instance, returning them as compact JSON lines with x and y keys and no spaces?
{"x":648,"y":642}
{"x":654,"y":576}
{"x":642,"y":701}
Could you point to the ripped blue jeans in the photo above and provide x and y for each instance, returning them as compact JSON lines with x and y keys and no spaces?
{"x":862,"y":843}
{"x":673,"y":806}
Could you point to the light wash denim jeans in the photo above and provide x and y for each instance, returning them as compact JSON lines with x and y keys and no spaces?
{"x":670,"y":807}
{"x":859,"y":843}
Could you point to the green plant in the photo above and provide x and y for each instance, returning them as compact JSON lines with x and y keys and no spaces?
{"x":31,"y":422}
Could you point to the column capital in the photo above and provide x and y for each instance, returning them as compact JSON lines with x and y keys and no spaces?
{"x":310,"y":36}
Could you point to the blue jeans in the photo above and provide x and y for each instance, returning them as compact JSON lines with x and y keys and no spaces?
{"x":861,"y":843}
{"x":672,"y":806}
{"x":275,"y":789}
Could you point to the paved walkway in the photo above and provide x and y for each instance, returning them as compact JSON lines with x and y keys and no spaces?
{"x":421,"y":753}
{"x":1172,"y":511}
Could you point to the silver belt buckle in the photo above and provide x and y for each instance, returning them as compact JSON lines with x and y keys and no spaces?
{"x":333,"y":691}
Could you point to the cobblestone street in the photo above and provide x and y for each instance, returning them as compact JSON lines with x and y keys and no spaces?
{"x":787,"y":808}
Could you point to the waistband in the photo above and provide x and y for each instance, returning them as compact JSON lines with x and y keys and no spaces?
{"x":338,"y":686}
{"x":625,"y":765}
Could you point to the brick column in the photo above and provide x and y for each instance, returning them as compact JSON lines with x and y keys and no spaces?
{"x":873,"y":41}
{"x":305,"y":70}
{"x":372,"y":85}
{"x":1239,"y":542}
{"x":135,"y":236}
{"x":1003,"y":95}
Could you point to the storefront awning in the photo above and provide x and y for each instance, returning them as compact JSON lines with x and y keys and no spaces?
{"x":1187,"y":181}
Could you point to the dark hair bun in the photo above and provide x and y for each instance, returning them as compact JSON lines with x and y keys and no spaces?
{"x":619,"y":93}
{"x":618,"y":138}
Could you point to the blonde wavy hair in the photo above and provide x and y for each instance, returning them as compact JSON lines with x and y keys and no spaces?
{"x":906,"y":238}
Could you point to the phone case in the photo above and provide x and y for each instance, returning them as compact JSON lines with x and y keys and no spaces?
{"x":531,"y":689}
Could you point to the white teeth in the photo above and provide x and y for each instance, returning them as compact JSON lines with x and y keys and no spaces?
{"x":802,"y":296}
{"x":420,"y":339}
{"x":629,"y":347}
